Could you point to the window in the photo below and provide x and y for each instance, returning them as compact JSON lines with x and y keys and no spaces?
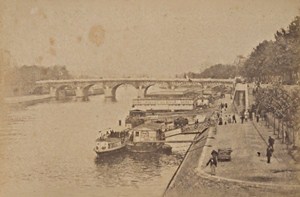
{"x":137,"y":134}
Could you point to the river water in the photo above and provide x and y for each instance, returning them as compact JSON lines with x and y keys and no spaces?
{"x":47,"y":150}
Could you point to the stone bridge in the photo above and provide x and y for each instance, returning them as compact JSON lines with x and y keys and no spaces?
{"x":110,"y":85}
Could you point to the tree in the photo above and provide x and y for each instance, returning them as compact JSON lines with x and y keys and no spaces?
{"x":279,"y":59}
{"x":219,"y":71}
{"x":21,"y":80}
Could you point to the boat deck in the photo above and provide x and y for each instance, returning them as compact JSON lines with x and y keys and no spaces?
{"x":109,"y":139}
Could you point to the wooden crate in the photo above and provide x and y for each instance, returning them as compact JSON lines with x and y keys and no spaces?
{"x":224,"y":154}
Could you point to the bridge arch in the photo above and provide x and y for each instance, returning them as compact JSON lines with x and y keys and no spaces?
{"x":62,"y":92}
{"x":114,"y":89}
{"x":111,"y":91}
{"x":85,"y":92}
{"x":147,"y":88}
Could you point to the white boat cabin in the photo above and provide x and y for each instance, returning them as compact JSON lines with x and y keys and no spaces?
{"x":111,"y":139}
{"x":146,"y":133}
{"x":109,"y":143}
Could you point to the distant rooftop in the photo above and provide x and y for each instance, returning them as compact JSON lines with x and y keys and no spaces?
{"x":176,"y":92}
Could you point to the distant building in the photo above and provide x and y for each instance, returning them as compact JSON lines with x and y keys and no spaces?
{"x":183,"y":100}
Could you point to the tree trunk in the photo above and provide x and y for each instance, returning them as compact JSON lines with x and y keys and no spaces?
{"x":274,"y":124}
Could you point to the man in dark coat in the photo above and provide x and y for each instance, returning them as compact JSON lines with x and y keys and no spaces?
{"x":271,"y":142}
{"x":233,"y":118}
{"x":269,"y":153}
{"x":214,"y":153}
{"x":213,"y":164}
{"x":242,"y":118}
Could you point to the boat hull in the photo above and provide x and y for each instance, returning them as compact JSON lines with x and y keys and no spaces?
{"x":144,"y":147}
{"x":111,"y":151}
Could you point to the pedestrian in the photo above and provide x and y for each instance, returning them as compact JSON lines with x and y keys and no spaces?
{"x":250,"y":115}
{"x":220,"y":121}
{"x":213,"y":164}
{"x":242,"y":118}
{"x":246,"y":116}
{"x":271,"y":142}
{"x":196,"y":123}
{"x":214,"y":153}
{"x":269,"y":154}
{"x":257,"y":117}
{"x":253,"y":115}
{"x":229,"y":120}
{"x":226,"y":105}
{"x":262,"y":115}
{"x":233,"y":118}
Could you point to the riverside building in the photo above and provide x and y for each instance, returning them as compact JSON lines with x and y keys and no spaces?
{"x":183,"y":100}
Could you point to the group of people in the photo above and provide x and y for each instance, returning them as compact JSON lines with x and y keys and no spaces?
{"x":226,"y":118}
{"x":112,"y":134}
{"x":223,"y":106}
{"x":251,"y":115}
{"x":245,"y":115}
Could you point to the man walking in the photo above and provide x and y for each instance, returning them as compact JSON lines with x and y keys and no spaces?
{"x":257,"y":117}
{"x":233,"y":118}
{"x":213,"y":164}
{"x":271,"y":142}
{"x":269,"y":153}
{"x":242,"y":118}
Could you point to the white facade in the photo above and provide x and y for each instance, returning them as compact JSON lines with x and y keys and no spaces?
{"x":164,"y":104}
{"x":144,"y":135}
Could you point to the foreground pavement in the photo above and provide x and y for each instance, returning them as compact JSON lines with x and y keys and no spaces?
{"x":246,"y":174}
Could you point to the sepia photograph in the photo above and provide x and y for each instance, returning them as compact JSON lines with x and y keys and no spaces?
{"x":149,"y":98}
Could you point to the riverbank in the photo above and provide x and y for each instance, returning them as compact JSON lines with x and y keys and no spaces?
{"x":26,"y":100}
{"x":246,"y":174}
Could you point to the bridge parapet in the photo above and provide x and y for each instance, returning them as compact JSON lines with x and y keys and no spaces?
{"x":126,"y":80}
{"x":110,"y":85}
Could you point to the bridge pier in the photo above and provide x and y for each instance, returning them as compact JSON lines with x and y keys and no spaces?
{"x":141,"y":92}
{"x":108,"y":94}
{"x":52,"y":92}
{"x":82,"y":93}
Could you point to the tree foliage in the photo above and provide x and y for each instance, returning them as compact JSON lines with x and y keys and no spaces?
{"x":21,"y":80}
{"x":218,"y":71}
{"x":276,"y":60}
{"x":283,"y":103}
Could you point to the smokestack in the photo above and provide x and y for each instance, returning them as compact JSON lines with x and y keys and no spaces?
{"x":120,"y":122}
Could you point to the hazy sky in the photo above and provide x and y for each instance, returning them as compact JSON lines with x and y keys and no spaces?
{"x":135,"y":37}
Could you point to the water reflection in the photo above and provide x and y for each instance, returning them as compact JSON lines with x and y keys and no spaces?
{"x":119,"y":167}
{"x":49,"y":147}
{"x":110,"y":159}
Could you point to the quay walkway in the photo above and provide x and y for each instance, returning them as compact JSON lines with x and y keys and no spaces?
{"x":247,"y":174}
